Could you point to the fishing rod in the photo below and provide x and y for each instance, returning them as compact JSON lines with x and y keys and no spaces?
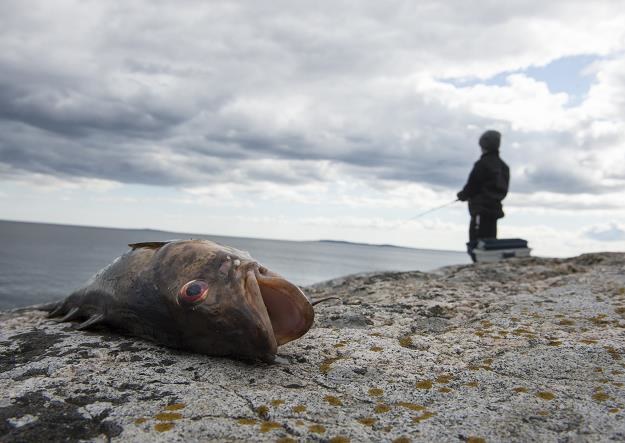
{"x":432,"y":210}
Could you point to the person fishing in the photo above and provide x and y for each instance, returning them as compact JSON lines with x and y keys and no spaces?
{"x":486,"y":187}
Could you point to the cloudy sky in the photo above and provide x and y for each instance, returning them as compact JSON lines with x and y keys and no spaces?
{"x":309,"y":120}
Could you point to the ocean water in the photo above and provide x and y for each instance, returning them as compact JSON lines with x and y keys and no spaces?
{"x":44,"y":262}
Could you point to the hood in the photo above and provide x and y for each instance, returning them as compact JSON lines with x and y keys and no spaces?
{"x":490,"y":141}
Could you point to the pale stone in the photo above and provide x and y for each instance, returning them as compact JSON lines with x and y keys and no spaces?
{"x":521,"y":350}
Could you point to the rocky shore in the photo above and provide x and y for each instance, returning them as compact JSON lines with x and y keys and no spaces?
{"x":523,"y":350}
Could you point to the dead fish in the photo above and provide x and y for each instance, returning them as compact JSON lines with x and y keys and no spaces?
{"x":194,"y":295}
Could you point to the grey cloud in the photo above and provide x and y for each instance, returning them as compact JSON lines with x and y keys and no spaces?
{"x":556,"y":179}
{"x":74,"y":114}
{"x":111,"y":158}
{"x":142,"y":92}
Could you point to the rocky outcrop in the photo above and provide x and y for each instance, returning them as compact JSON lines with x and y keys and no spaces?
{"x":522,"y":350}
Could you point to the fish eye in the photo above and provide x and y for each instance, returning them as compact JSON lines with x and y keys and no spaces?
{"x":193,"y":293}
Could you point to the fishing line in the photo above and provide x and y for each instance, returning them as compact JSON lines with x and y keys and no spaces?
{"x":431,"y":210}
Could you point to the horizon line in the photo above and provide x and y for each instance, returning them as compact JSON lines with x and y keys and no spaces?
{"x":389,"y":245}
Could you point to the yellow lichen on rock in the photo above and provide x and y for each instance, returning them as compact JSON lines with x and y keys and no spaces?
{"x":381,"y":408}
{"x":424,"y":384}
{"x":405,"y":341}
{"x":546,"y":395}
{"x":367,"y":421}
{"x":411,"y":406}
{"x":268,"y":426}
{"x":326,"y":364}
{"x":332,"y":400}
{"x":164,"y":427}
{"x":444,"y":379}
{"x":600,"y":396}
{"x":426,"y":415}
{"x":317,"y":429}
{"x":168,"y":416}
{"x":376,"y":392}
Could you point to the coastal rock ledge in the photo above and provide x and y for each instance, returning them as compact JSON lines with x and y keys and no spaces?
{"x":522,"y":350}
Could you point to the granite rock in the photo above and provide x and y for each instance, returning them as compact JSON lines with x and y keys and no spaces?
{"x":522,"y":350}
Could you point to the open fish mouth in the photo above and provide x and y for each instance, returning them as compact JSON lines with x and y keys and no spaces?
{"x":286,"y":310}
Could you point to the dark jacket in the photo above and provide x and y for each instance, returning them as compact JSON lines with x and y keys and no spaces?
{"x":488,"y":182}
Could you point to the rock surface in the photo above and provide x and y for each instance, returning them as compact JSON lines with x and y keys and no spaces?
{"x":522,"y":350}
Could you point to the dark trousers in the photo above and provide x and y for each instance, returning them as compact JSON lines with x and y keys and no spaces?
{"x":481,"y":226}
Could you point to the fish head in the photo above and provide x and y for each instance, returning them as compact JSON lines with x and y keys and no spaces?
{"x":226,"y":303}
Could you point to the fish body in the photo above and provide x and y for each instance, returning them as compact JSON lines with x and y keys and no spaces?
{"x":194,"y":295}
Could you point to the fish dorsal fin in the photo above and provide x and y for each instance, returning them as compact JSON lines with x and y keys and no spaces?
{"x":148,"y":245}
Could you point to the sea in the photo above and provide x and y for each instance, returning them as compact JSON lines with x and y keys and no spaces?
{"x":41,"y":262}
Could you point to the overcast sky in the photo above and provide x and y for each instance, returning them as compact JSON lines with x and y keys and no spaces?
{"x":309,"y":120}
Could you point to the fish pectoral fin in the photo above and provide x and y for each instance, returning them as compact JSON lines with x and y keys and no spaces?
{"x":149,"y":244}
{"x":58,"y":310}
{"x":94,"y":319}
{"x":73,"y":313}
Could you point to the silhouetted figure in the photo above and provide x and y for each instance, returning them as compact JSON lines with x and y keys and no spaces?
{"x":486,"y":187}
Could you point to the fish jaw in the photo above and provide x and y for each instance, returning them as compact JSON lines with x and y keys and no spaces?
{"x":290,"y":313}
{"x":262,"y":330}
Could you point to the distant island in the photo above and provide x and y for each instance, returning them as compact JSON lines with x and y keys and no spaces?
{"x":380,"y":245}
{"x":345,"y":242}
